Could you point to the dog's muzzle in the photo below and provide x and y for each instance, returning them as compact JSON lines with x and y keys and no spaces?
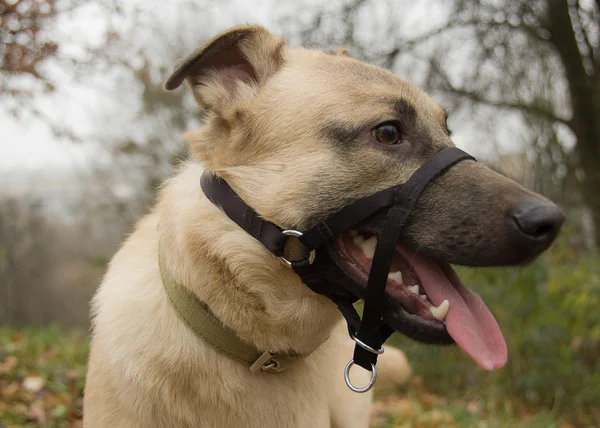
{"x":370,"y":332}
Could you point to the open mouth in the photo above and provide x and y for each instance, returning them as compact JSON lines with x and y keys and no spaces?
{"x":428,"y":302}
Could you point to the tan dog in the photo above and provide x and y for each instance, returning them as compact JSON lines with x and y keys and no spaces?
{"x":297,"y":134}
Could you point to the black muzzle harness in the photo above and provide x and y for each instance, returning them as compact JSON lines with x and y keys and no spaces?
{"x":372,"y":330}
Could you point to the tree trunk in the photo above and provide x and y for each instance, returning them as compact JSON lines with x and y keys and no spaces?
{"x":584,"y":94}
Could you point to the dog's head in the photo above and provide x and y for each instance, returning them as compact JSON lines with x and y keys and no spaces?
{"x":299,"y":134}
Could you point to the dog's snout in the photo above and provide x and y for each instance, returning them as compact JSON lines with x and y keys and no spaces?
{"x":538,"y":220}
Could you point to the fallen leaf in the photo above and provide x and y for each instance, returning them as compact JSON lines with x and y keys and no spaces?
{"x":436,"y":417}
{"x":37,"y":412}
{"x":48,"y":354}
{"x":34,"y":383}
{"x":473,"y":407}
{"x":8,"y":364}
{"x":26,"y":396}
{"x":72,"y":374}
{"x":378,"y":414}
{"x":576,"y":343}
{"x":417,"y":383}
{"x":9,"y":392}
{"x":400,"y":408}
{"x":56,"y":399}
{"x":428,"y":400}
{"x":21,"y":409}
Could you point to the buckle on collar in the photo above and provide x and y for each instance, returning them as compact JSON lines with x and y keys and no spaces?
{"x":266,"y":363}
{"x":311,"y":256}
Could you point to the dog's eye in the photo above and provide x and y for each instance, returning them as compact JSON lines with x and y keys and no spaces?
{"x":388,"y":134}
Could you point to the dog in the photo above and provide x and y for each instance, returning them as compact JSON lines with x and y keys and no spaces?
{"x":297,"y":134}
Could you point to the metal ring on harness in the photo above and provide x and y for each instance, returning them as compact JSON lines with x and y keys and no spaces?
{"x":297,"y":234}
{"x":349,"y":383}
{"x":367,"y":347}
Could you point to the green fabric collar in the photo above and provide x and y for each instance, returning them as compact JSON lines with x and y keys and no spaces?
{"x":201,"y":320}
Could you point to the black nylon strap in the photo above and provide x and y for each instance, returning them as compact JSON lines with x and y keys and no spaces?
{"x":374,"y":301}
{"x":429,"y":172}
{"x":358,"y":211}
{"x":347,"y":217}
{"x":220,"y":194}
{"x":372,"y":330}
{"x":270,"y":235}
{"x":352,"y":318}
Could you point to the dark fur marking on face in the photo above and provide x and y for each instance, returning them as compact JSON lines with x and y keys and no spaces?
{"x":341,"y":133}
{"x":405,"y":112}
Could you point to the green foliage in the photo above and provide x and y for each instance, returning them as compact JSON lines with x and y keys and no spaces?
{"x":549,"y":314}
{"x":42,"y":375}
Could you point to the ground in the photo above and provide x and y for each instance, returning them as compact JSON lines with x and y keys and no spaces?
{"x":42,"y":377}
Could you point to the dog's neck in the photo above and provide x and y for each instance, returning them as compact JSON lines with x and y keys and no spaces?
{"x":260,"y":299}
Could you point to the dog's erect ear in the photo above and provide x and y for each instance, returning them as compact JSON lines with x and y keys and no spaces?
{"x":233,"y":64}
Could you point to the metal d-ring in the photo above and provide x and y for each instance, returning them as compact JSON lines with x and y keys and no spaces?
{"x":352,"y":387}
{"x":297,"y":234}
{"x":272,"y":366}
{"x":367,"y":347}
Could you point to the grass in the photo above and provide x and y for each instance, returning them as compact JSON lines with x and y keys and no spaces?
{"x":42,"y":375}
{"x":423,"y":409}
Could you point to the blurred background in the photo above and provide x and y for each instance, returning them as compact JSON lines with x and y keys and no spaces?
{"x":87,"y":133}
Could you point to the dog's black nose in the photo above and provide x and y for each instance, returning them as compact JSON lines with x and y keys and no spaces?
{"x":538,"y":220}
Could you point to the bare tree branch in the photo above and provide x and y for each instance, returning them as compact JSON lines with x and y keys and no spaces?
{"x":348,"y":13}
{"x":478,"y":97}
{"x":401,"y":46}
{"x":511,"y":105}
{"x":580,"y":30}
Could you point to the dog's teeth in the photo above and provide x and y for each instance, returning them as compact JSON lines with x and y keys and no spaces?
{"x":396,"y":277}
{"x":441,"y":311}
{"x":414,"y":289}
{"x":358,"y":239}
{"x":423,"y":296}
{"x":368,"y":246}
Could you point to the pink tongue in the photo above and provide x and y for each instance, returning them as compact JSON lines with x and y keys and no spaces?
{"x":469,"y":321}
